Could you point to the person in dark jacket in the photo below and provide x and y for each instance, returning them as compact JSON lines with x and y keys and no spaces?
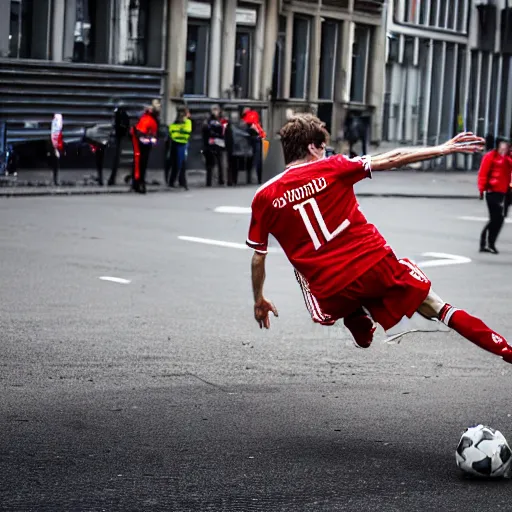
{"x":121,"y":130}
{"x":239,"y":148}
{"x":494,"y":179}
{"x":356,"y":129}
{"x":214,"y":145}
{"x":144,"y":137}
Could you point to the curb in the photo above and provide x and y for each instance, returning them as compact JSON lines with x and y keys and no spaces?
{"x":12,"y":193}
{"x":72,"y":192}
{"x":399,"y":195}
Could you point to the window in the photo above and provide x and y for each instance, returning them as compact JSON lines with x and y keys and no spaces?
{"x":327,"y":60}
{"x":84,"y":35}
{"x":242,"y":71}
{"x":360,"y":55}
{"x":300,"y":57}
{"x":196,"y":67}
{"x":28,"y":31}
{"x":132,"y":32}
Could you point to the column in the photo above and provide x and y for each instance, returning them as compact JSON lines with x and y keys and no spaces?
{"x":258,"y":92}
{"x":215,"y":50}
{"x":314,"y":66}
{"x":58,"y":24}
{"x":344,"y":74}
{"x":228,"y":48}
{"x":69,"y":30}
{"x":5,"y":16}
{"x":377,"y":78}
{"x":342,"y":81}
{"x":287,"y":72}
{"x":270,"y":28}
{"x":176,"y":55}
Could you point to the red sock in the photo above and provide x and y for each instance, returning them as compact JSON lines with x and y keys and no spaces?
{"x":474,"y":330}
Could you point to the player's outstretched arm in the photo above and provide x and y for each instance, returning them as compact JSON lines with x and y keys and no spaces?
{"x":465,"y":142}
{"x":262,"y":307}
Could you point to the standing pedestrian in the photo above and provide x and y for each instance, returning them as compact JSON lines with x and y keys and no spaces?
{"x":121,"y":130}
{"x":214,"y":145}
{"x":144,"y":137}
{"x":179,"y":133}
{"x":494,"y":179}
{"x":239,"y":150}
{"x":57,"y":141}
{"x":252,"y":118}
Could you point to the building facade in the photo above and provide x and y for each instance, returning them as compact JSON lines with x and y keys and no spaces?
{"x":447,"y":69}
{"x":81,"y":57}
{"x":324,"y":56}
{"x":77,"y":57}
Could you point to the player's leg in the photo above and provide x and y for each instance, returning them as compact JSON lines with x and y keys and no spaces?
{"x":497,"y":219}
{"x":468,"y":326}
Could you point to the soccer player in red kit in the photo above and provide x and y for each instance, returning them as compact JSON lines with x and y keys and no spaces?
{"x":343,"y":264}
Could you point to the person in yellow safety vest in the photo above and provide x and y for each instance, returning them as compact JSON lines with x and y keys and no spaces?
{"x":180,"y":132}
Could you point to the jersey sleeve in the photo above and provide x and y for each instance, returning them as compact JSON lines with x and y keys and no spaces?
{"x":258,"y":229}
{"x":351,"y":170}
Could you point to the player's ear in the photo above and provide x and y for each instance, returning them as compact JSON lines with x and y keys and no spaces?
{"x":316,"y":152}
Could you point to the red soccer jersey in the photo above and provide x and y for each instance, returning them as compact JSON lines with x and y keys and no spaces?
{"x":312,"y":211}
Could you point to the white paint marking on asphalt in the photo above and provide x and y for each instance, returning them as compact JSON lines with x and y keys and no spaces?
{"x":442,"y":260}
{"x":480,"y":219}
{"x":232,"y":209}
{"x":221,"y":243}
{"x":118,"y":280}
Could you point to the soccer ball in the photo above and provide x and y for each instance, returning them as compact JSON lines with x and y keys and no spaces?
{"x":483,"y":451}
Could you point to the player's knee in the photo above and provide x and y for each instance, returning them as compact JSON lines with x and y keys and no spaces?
{"x":432,"y":305}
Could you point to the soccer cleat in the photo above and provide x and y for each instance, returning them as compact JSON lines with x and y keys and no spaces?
{"x":362,"y":328}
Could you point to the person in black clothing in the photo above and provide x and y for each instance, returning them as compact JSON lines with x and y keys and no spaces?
{"x":355,"y":130}
{"x":121,"y":130}
{"x":239,"y":150}
{"x":214,"y":145}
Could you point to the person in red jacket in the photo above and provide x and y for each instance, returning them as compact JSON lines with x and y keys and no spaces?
{"x":144,"y":137}
{"x":494,"y":180}
{"x":252,"y":119}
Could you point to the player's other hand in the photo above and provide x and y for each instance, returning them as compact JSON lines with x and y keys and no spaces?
{"x":481,"y":196}
{"x":262,"y":308}
{"x":466,"y":142}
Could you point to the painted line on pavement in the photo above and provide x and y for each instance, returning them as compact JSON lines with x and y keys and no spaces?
{"x":222,"y":243}
{"x":442,"y":260}
{"x":118,"y":280}
{"x":232,"y":209}
{"x":480,"y":219}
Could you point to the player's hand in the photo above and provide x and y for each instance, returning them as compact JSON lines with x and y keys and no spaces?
{"x":262,"y":308}
{"x":466,"y":142}
{"x":481,"y":196}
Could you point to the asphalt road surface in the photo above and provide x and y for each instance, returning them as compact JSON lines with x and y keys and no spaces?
{"x":156,"y":390}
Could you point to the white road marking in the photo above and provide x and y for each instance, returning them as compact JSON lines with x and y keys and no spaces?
{"x":118,"y":280}
{"x":222,"y":243}
{"x":480,"y":219}
{"x":442,"y":260}
{"x":232,"y":209}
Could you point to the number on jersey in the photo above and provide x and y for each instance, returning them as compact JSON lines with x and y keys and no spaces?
{"x":320,"y":221}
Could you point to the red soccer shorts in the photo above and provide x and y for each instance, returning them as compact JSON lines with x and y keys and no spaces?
{"x":390,"y":290}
